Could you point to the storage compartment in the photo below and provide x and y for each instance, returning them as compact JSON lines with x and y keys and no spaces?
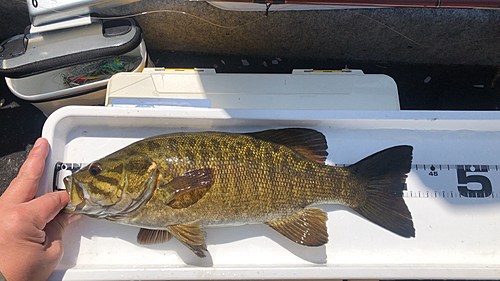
{"x":73,"y":65}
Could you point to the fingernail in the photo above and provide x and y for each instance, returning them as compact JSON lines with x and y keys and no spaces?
{"x":74,"y":217}
{"x":38,"y":142}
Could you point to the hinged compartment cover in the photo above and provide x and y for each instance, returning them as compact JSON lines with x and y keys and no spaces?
{"x":34,"y":53}
{"x":302,"y":89}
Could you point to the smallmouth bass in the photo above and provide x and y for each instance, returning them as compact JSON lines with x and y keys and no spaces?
{"x":177,"y":184}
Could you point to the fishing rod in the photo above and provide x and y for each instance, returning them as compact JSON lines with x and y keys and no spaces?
{"x":444,"y":4}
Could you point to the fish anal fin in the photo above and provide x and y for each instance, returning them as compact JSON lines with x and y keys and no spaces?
{"x":188,"y":188}
{"x":192,"y":235}
{"x":153,"y":236}
{"x":308,"y":142}
{"x":306,"y":227}
{"x":384,"y":174}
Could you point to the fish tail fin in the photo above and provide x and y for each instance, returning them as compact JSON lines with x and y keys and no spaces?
{"x":384,"y":174}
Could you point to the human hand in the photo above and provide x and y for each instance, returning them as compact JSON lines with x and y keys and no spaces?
{"x":31,"y":229}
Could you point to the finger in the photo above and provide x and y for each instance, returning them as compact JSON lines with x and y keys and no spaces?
{"x":53,"y":239}
{"x":23,"y":188}
{"x":54,"y":234}
{"x":48,"y":206}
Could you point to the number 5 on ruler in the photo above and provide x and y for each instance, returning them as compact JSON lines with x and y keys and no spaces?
{"x":463,"y":178}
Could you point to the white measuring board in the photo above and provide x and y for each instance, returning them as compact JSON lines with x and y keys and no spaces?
{"x":452,"y":193}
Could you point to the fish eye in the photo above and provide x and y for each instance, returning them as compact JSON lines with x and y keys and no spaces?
{"x":95,"y":169}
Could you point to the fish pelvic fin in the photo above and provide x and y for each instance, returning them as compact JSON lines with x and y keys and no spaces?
{"x":153,"y":236}
{"x":306,"y":227}
{"x":307,"y":142}
{"x":385,"y":174}
{"x":191,"y":235}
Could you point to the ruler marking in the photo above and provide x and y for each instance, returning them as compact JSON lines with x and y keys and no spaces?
{"x":449,"y":195}
{"x":473,"y":177}
{"x":431,"y":179}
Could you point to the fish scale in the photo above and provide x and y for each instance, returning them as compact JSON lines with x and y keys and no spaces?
{"x":227,"y":149}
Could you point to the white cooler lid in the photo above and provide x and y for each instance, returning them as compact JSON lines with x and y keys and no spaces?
{"x":303,"y":89}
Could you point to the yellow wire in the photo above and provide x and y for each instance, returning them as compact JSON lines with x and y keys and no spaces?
{"x":388,"y":27}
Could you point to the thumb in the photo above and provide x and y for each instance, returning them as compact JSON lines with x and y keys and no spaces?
{"x":23,"y":188}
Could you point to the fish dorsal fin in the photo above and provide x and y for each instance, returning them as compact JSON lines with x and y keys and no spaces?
{"x":153,"y":236}
{"x":192,"y":235}
{"x":306,"y":227}
{"x":308,"y":142}
{"x":188,"y":188}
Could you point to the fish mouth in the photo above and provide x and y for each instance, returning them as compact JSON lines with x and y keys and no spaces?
{"x":76,"y":201}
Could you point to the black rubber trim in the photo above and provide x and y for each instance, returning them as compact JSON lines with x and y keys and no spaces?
{"x":72,"y":59}
{"x":113,"y":28}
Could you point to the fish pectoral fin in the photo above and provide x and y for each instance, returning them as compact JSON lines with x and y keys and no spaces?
{"x":192,"y":235}
{"x":308,"y":142}
{"x":188,"y":188}
{"x":153,"y":236}
{"x":306,"y":227}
